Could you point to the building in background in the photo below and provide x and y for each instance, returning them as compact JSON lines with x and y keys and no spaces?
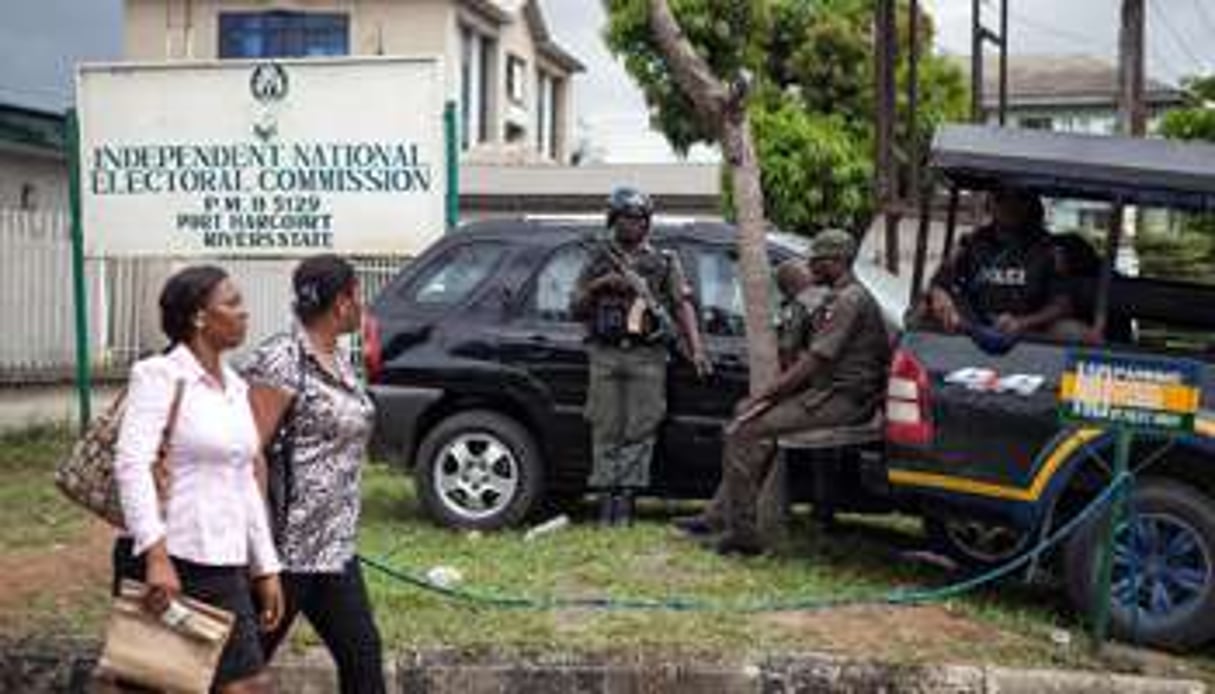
{"x":33,"y":167}
{"x":507,"y":76}
{"x":509,"y":79}
{"x":1066,"y":93}
{"x":1073,"y":94}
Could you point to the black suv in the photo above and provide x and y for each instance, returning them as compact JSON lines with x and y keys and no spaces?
{"x":479,"y":372}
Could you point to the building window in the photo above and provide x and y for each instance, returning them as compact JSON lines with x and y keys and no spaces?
{"x":1036,"y":123}
{"x":29,"y":197}
{"x":516,"y":75}
{"x":476,"y":55}
{"x":546,"y":115}
{"x":280,"y":34}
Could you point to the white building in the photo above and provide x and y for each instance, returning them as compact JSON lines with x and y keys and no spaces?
{"x":505,"y":72}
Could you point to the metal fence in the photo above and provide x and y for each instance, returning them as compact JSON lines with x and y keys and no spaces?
{"x":37,"y":319}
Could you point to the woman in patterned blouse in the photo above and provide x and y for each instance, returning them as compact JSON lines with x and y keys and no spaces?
{"x":303,"y":382}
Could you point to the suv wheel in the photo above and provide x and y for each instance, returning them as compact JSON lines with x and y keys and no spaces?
{"x":1163,"y":585}
{"x":478,"y":469}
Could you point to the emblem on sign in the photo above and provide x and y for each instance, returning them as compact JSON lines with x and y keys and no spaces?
{"x":268,"y":84}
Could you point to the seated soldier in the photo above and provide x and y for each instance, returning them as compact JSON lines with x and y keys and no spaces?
{"x":798,"y":296}
{"x":838,"y":377}
{"x":798,"y":299}
{"x":1002,"y":277}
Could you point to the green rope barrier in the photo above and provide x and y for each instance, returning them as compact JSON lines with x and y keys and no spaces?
{"x":898,"y":597}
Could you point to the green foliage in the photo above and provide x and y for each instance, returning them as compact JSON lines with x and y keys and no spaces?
{"x":812,"y":64}
{"x":815,"y":171}
{"x":1188,"y":255}
{"x":720,"y":31}
{"x":1191,"y":254}
{"x":1196,"y":121}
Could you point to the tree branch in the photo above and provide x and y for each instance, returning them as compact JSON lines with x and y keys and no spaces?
{"x":689,"y":69}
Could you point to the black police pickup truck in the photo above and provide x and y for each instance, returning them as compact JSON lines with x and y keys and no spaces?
{"x":974,"y":441}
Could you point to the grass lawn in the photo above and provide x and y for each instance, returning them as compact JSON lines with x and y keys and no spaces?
{"x":1010,"y":624}
{"x":54,"y":568}
{"x":33,"y":513}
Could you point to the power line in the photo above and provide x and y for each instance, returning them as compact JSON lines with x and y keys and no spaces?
{"x":1177,"y":37}
{"x":1206,"y":18}
{"x":1057,"y":32}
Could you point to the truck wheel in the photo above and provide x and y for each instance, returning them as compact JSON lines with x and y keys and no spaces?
{"x":478,"y":469}
{"x":975,"y":544}
{"x":1163,"y":585}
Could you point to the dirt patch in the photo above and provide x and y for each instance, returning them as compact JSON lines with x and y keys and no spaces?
{"x":57,"y":577}
{"x":893,"y":632}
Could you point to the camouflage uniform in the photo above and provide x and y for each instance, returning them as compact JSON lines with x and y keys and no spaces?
{"x":626,"y":395}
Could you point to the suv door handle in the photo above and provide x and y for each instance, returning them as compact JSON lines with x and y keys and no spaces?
{"x":538,"y":339}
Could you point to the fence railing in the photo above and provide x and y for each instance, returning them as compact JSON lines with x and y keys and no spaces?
{"x":37,"y":318}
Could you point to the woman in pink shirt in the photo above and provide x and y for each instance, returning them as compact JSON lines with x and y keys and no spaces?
{"x":212,"y":538}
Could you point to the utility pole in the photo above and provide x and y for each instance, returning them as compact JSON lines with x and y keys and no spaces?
{"x":885,"y":39}
{"x":1132,"y":114}
{"x":1132,"y":121}
{"x":980,"y":36}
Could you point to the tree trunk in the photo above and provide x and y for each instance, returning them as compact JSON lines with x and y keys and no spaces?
{"x":753,"y":266}
{"x":727,"y":111}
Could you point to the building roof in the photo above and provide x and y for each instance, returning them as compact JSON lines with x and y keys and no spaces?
{"x":504,"y":11}
{"x":545,"y":44}
{"x":1062,"y":81}
{"x":488,"y":9}
{"x":677,"y":188}
{"x":32,"y":130}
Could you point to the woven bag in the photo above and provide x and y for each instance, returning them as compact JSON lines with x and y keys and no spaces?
{"x":175,"y":652}
{"x":86,"y":475}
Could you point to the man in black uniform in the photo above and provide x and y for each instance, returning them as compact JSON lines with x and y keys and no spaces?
{"x":634,"y":300}
{"x":1002,"y":277}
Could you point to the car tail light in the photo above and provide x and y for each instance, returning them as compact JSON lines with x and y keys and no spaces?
{"x":372,"y":349}
{"x":908,"y":402}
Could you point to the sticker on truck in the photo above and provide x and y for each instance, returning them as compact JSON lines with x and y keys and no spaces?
{"x":983,"y":380}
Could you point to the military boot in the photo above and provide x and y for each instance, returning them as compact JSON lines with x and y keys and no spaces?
{"x":626,"y":508}
{"x":607,"y":509}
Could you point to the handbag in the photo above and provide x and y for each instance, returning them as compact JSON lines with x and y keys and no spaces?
{"x":280,"y":456}
{"x":176,"y":651}
{"x":86,"y":475}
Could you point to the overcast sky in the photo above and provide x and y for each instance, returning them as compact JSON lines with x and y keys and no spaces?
{"x":40,"y":40}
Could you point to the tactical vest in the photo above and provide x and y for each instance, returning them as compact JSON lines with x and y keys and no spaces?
{"x":622,"y":319}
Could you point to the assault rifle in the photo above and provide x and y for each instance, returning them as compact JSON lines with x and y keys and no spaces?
{"x":665,"y":325}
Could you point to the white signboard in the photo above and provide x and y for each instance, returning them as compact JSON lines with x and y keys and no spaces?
{"x":262,"y":158}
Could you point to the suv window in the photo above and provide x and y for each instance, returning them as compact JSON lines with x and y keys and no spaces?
{"x":715,"y":273}
{"x":555,"y":283}
{"x":456,"y":274}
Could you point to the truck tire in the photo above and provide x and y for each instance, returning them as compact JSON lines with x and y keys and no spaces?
{"x":478,"y":470}
{"x":1171,"y":541}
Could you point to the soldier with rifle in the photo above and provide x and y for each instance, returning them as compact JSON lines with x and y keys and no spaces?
{"x":637,"y":305}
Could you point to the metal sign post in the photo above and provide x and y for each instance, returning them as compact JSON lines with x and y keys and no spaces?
{"x":1127,"y":394}
{"x":450,"y":133}
{"x":79,"y":290}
